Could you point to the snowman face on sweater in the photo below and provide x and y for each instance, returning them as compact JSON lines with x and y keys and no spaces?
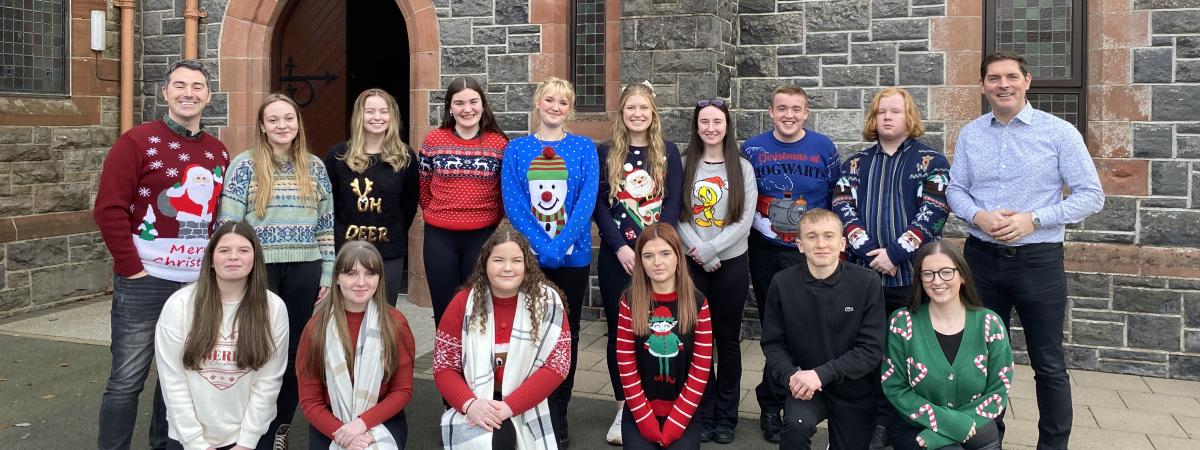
{"x":548,"y":196}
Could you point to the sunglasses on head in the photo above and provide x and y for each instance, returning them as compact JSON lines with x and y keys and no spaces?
{"x":718,"y":102}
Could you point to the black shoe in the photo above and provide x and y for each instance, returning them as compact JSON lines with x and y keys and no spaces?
{"x":564,"y":438}
{"x":706,"y":433}
{"x":772,"y":427}
{"x":879,"y":439}
{"x":723,"y":434}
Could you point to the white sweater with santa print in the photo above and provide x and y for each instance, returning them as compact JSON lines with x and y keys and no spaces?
{"x":157,"y":200}
{"x":220,"y":404}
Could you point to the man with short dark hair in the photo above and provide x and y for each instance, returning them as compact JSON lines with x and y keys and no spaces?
{"x":796,"y":169}
{"x":1010,"y":167}
{"x":155,"y":207}
{"x":822,"y":335}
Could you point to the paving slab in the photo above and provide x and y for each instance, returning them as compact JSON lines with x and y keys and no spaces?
{"x":1190,"y":425}
{"x":1026,"y":409}
{"x":1170,"y":443}
{"x":1137,"y":422}
{"x":1162,"y":403}
{"x":1173,"y":387}
{"x":1109,"y":439}
{"x":1112,"y":381}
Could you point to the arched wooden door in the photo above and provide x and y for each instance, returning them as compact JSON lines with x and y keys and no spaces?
{"x":309,"y":64}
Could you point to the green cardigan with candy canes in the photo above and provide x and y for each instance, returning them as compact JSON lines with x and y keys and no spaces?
{"x":947,"y":399}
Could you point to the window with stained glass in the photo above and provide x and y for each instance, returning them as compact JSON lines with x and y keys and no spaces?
{"x":587,"y":54}
{"x":1050,"y":35}
{"x":33,"y":47}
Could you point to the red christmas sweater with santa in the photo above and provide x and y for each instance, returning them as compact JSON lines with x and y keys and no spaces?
{"x":157,"y":200}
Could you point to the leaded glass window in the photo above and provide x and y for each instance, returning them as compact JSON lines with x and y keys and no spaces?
{"x":587,"y":54}
{"x":1050,"y":35}
{"x":33,"y":47}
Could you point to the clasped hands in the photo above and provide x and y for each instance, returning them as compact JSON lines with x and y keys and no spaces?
{"x":353,"y":435}
{"x":804,"y":384}
{"x":1004,"y":225}
{"x":487,"y":414}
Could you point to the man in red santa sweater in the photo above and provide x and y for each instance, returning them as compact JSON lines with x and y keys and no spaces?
{"x":158,"y":189}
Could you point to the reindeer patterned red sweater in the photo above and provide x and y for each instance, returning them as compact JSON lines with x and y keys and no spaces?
{"x":664,"y":373}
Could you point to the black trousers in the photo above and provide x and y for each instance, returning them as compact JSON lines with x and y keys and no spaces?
{"x":631,"y":437}
{"x":450,"y":256}
{"x":297,"y":283}
{"x":767,"y":259}
{"x":1031,"y":278}
{"x":613,"y":281}
{"x":393,"y":276}
{"x":850,"y":421}
{"x":726,"y":290}
{"x":573,"y":281}
{"x":893,"y":298}
{"x":904,"y":437}
{"x":397,"y":425}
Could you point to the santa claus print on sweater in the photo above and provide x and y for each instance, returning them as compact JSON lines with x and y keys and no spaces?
{"x":193,"y":200}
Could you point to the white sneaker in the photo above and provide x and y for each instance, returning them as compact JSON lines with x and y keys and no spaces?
{"x":614,"y":431}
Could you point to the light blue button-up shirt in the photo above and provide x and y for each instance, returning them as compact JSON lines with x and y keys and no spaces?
{"x":1023,"y":166}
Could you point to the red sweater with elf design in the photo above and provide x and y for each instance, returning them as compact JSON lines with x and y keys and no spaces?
{"x":664,"y":373}
{"x":448,"y":357}
{"x":157,"y":200}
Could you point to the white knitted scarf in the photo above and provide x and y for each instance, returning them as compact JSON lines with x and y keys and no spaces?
{"x":351,"y":398}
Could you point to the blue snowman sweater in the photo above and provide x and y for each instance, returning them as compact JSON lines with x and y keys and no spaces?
{"x":571,"y":244}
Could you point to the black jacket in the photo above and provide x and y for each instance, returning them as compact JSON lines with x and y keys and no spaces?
{"x":834,"y":326}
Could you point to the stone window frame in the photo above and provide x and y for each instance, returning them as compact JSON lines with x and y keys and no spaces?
{"x":65,"y":74}
{"x":1075,"y":85}
{"x":573,"y":35}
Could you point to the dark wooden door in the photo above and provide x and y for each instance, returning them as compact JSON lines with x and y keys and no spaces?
{"x":309,"y":64}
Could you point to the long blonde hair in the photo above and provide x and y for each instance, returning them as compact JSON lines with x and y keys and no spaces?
{"x":640,"y":294}
{"x":353,"y":252}
{"x":656,"y":153}
{"x":265,"y":165}
{"x":557,"y":86}
{"x":394,"y":151}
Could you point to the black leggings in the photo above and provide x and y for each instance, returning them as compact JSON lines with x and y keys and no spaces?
{"x":573,"y":281}
{"x":297,"y":283}
{"x":450,"y":256}
{"x":904,"y":437}
{"x":613,"y":281}
{"x":393,"y":275}
{"x":726,"y":290}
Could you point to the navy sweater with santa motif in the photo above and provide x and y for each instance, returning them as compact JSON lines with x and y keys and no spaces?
{"x":638,"y":203}
{"x":157,"y":200}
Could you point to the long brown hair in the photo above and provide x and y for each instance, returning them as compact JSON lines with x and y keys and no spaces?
{"x":640,"y":294}
{"x":534,"y":284}
{"x":733,"y":163}
{"x":394,"y":151}
{"x":264,"y":160}
{"x":967,"y":293}
{"x":656,"y":152}
{"x":253,"y":318}
{"x":352,"y":252}
{"x":487,"y":122}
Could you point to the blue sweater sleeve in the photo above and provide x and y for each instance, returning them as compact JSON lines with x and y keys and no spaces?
{"x":515,"y":194}
{"x":674,"y":190}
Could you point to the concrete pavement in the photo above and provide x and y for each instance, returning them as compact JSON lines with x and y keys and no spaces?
{"x":55,"y":364}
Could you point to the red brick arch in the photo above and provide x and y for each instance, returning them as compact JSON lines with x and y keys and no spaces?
{"x":245,"y":62}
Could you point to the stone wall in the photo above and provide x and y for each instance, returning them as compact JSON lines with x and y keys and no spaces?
{"x":159,"y":27}
{"x":51,"y":151}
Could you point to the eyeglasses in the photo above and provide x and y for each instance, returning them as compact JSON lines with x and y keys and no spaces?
{"x":718,"y":102}
{"x":946,"y":274}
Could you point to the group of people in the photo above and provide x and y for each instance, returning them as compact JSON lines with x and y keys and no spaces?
{"x":868,"y":319}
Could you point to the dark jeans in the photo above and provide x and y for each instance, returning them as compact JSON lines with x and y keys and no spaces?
{"x":631,"y":437}
{"x":726,"y":290}
{"x":850,"y":421}
{"x":767,"y":259}
{"x":176,"y":445}
{"x":613,"y":281}
{"x":893,"y":298}
{"x":450,"y":257}
{"x":297,"y":284}
{"x":136,"y":305}
{"x":393,"y":277}
{"x":1031,"y":279}
{"x":573,"y":281}
{"x":904,"y":437}
{"x":397,"y":425}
